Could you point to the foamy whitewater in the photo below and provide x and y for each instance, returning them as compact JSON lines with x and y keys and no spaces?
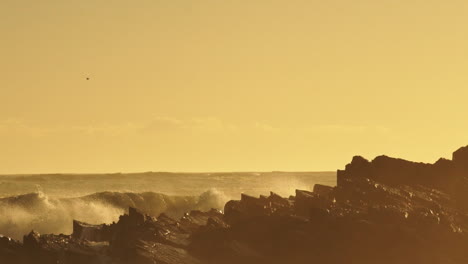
{"x":49,"y":203}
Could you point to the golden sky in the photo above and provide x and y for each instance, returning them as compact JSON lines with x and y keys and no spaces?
{"x":216,"y":85}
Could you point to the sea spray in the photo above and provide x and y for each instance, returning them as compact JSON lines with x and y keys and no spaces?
{"x":23,"y":213}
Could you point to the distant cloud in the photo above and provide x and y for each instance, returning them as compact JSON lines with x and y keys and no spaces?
{"x":211,"y":124}
{"x":107,"y":129}
{"x":20,"y":127}
{"x":165,"y":124}
{"x":207,"y":124}
{"x":348,"y":129}
{"x":265,"y":127}
{"x":160,"y":123}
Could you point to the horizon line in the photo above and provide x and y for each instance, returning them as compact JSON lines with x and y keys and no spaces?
{"x":156,"y":172}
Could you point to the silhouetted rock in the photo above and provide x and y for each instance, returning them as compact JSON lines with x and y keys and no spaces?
{"x":461,"y":156}
{"x":136,"y":217}
{"x":322,"y":190}
{"x":84,"y":231}
{"x":444,"y":174}
{"x":306,"y":201}
{"x":11,"y":251}
{"x":146,"y":252}
{"x":250,"y":207}
{"x":32,"y":240}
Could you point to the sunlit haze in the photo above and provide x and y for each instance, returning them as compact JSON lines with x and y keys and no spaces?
{"x":130,"y":86}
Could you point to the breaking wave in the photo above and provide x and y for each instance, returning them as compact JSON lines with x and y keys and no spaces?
{"x":23,"y":213}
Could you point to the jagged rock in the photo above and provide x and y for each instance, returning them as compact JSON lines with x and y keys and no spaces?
{"x":216,"y":223}
{"x":322,"y":190}
{"x":32,"y":240}
{"x":135,"y":217}
{"x":84,"y":231}
{"x":460,"y":156}
{"x":10,"y":250}
{"x":4,"y":241}
{"x":306,"y":201}
{"x":251,"y":207}
{"x":192,"y":221}
{"x":277,"y":200}
{"x":233,"y":211}
{"x":444,"y":174}
{"x":146,"y":252}
{"x":246,"y":208}
{"x":161,"y":240}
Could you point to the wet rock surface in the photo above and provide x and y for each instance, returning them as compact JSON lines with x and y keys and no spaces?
{"x":382,"y":211}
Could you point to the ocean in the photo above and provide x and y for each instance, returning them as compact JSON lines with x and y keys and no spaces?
{"x":48,"y":203}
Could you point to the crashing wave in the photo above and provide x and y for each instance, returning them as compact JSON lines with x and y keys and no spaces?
{"x":22,"y":213}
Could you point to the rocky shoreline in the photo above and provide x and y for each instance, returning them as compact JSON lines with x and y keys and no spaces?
{"x":382,"y":211}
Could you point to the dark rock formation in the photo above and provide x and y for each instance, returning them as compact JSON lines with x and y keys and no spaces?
{"x":382,"y":211}
{"x":32,"y":240}
{"x":97,"y":233}
{"x":450,"y":176}
{"x":322,"y":190}
{"x":11,"y":251}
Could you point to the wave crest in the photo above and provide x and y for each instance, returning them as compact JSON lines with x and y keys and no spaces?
{"x":23,"y":213}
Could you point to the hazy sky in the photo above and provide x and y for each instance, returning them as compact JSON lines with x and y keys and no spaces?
{"x":229,"y":85}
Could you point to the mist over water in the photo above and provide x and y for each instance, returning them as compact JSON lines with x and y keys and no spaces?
{"x":49,"y":203}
